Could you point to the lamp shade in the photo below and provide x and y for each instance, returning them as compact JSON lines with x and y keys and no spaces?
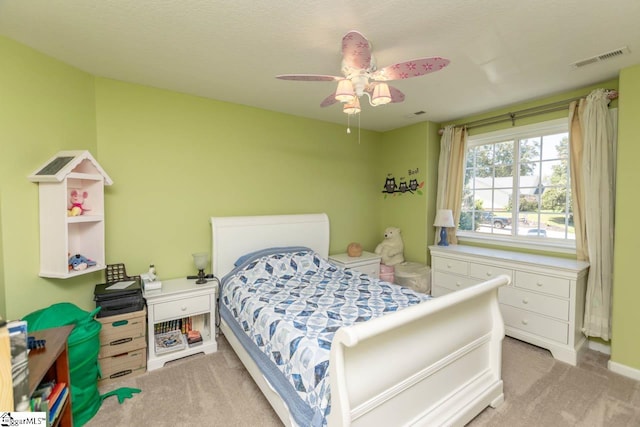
{"x":200,"y":260}
{"x":381,"y":94}
{"x":444,"y":218}
{"x":352,"y":107}
{"x":345,"y":93}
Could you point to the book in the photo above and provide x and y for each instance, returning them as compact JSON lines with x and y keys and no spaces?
{"x":169,"y":341}
{"x":55,"y":410}
{"x":193,"y":336}
{"x":55,"y":394}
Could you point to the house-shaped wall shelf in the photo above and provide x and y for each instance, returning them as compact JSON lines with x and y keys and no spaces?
{"x":64,"y":234}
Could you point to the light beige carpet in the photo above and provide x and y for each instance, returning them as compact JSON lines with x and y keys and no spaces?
{"x":215,"y":390}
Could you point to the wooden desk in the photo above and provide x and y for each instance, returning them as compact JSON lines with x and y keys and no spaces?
{"x":52,"y":362}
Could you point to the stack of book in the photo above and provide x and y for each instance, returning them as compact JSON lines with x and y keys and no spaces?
{"x":50,"y":397}
{"x":194,"y":338}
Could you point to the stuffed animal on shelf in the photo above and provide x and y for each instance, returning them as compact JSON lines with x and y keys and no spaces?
{"x":78,"y":262}
{"x":76,"y":202}
{"x":391,"y":249}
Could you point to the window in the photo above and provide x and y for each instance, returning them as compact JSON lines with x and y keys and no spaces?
{"x":517,"y":186}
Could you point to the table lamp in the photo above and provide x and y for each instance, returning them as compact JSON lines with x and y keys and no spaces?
{"x":444,"y":219}
{"x":200,"y":259}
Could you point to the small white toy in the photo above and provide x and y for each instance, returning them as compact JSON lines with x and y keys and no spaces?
{"x":391,"y":249}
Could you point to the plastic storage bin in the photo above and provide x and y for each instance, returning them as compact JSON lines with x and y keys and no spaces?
{"x":413,"y":275}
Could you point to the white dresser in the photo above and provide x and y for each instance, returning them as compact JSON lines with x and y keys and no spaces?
{"x":367,"y":263}
{"x":544,"y":305}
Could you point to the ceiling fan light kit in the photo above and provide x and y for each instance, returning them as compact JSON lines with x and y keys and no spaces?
{"x":361,"y":75}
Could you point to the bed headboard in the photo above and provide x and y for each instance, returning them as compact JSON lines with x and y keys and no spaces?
{"x":235,"y":236}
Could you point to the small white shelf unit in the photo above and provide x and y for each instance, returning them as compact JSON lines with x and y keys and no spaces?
{"x":62,"y":236}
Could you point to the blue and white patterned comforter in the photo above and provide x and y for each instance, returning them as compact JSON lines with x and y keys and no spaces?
{"x":290,"y":305}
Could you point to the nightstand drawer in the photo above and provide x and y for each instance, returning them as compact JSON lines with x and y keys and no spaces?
{"x":450,"y":266}
{"x":486,"y":272}
{"x":181,"y":308}
{"x":538,"y":303}
{"x":547,"y":284}
{"x":372,"y":270}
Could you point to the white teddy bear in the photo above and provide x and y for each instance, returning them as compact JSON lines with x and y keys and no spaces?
{"x":391,"y":248}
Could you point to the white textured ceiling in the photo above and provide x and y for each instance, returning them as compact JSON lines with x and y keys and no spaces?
{"x":501,"y":52}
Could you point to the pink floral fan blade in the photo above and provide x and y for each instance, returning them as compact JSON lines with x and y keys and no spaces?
{"x":356,"y":51}
{"x":408,"y":69}
{"x":309,"y":77}
{"x":329,"y":100}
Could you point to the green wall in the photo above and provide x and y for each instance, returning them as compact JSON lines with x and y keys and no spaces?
{"x":176,"y":160}
{"x":625,"y":345}
{"x":46,"y":106}
{"x":410,"y":153}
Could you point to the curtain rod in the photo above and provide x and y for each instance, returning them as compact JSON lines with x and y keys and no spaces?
{"x":528,"y":112}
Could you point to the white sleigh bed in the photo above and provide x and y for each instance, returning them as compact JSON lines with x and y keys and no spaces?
{"x":434,"y":363}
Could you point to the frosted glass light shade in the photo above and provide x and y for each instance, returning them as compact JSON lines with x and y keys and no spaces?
{"x":444,"y":218}
{"x":345,"y":93}
{"x":200,"y":260}
{"x":381,"y":94}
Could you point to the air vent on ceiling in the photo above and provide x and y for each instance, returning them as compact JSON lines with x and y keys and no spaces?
{"x":602,"y":57}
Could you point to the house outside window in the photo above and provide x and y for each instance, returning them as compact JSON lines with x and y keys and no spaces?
{"x":517,"y":189}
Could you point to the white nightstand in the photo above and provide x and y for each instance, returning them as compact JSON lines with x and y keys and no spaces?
{"x":367,"y":263}
{"x":181,"y":299}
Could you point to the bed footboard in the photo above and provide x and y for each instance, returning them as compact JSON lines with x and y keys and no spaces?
{"x":436,"y":363}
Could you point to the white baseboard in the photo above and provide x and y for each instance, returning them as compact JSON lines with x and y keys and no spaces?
{"x":621,"y":369}
{"x":600,"y":347}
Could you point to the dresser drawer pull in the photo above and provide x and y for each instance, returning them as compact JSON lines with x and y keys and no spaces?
{"x":183,"y":308}
{"x":539,"y":283}
{"x":458,"y":284}
{"x":489,"y":274}
{"x":449,"y":265}
{"x":525,"y":301}
{"x":525,"y":322}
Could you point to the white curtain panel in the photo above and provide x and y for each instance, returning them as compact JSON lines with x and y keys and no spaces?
{"x":451,"y":175}
{"x":598,"y":168}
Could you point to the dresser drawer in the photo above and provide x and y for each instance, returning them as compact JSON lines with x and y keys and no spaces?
{"x":548,"y":284}
{"x":181,"y":308}
{"x":535,"y":324}
{"x":452,"y":282}
{"x":451,"y":266}
{"x":537,"y":303}
{"x":486,"y":272}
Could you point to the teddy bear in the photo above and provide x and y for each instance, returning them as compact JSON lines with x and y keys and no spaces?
{"x":76,"y":201}
{"x":391,"y":248}
{"x":80,"y":262}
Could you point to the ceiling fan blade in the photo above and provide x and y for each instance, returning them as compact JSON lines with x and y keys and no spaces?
{"x":356,"y":51}
{"x":408,"y":69}
{"x":309,"y":77}
{"x":329,"y":100}
{"x":396,"y":95}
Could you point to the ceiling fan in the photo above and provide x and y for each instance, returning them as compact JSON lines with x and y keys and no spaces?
{"x":362,"y":76}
